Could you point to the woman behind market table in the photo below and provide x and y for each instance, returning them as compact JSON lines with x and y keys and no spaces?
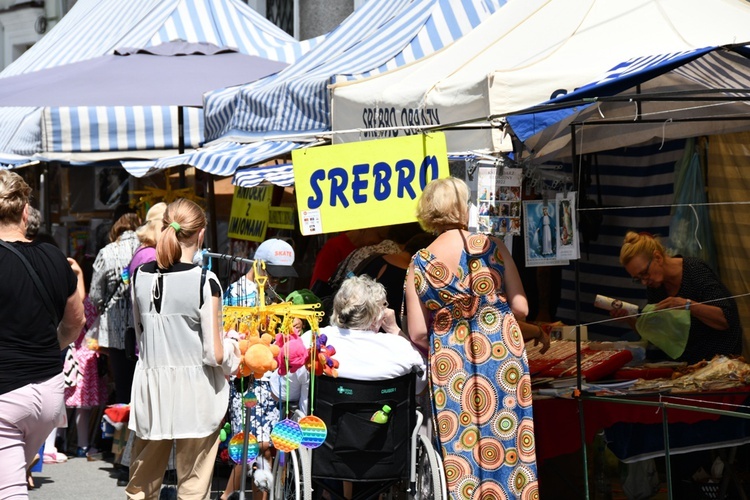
{"x":684,"y":283}
{"x":180,"y":391}
{"x":463,"y":293}
{"x":31,"y":377}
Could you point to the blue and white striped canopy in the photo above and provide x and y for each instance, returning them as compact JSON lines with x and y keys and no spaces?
{"x":683,"y":94}
{"x":381,"y":35}
{"x":96,"y":27}
{"x":223,"y":159}
{"x":279,"y":175}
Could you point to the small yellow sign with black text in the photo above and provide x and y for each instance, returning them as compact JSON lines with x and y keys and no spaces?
{"x":248,"y":219}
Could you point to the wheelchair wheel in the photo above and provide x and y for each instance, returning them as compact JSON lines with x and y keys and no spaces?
{"x":288,"y":482}
{"x":430,"y":476}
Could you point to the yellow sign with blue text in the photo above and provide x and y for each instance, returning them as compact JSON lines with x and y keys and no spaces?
{"x":248,"y":219}
{"x":365,"y":184}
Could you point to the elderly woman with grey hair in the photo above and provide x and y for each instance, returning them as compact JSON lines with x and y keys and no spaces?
{"x":360,"y":311}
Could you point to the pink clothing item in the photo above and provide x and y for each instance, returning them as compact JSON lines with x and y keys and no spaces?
{"x":334,"y":251}
{"x":90,"y":389}
{"x":29,"y":415}
{"x":140,"y":257}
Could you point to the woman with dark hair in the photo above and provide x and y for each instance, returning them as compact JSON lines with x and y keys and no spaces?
{"x":180,"y":391}
{"x":42,"y":313}
{"x":109,"y":294}
{"x":390,"y":270}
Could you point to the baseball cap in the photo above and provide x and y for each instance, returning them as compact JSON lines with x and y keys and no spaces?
{"x":278,"y":256}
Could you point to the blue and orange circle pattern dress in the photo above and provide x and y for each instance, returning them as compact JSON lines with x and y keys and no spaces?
{"x":479,"y":376}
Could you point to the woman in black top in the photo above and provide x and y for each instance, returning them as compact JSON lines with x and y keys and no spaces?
{"x":684,"y":282}
{"x":34,"y":327}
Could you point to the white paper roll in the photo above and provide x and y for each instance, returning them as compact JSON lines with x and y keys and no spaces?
{"x":608,"y":303}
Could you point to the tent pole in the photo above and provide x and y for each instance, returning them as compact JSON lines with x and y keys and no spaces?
{"x":210,"y":193}
{"x":44,"y":206}
{"x":181,"y":141}
{"x":577,"y":272}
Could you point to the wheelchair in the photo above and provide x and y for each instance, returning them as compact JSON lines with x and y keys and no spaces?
{"x":391,"y":458}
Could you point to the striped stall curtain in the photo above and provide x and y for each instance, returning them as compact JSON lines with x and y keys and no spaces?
{"x":637,"y":190}
{"x":729,"y":186}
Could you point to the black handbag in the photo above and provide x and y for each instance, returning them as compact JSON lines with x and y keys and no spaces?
{"x":130,"y":342}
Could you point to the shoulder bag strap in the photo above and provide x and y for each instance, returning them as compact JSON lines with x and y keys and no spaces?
{"x":37,"y":282}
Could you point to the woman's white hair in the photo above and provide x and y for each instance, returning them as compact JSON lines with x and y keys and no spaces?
{"x":359,"y":303}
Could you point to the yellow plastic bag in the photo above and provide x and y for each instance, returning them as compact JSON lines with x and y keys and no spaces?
{"x":667,"y":329}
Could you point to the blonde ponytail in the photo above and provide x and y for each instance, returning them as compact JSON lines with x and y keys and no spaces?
{"x":183,"y":220}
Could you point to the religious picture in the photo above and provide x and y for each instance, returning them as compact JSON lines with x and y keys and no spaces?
{"x":541,"y":229}
{"x":567,"y":230}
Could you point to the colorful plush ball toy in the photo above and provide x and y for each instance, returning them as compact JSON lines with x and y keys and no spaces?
{"x":292,"y":353}
{"x":258,"y":355}
{"x":314,"y":431}
{"x":286,"y":435}
{"x":236,"y":444}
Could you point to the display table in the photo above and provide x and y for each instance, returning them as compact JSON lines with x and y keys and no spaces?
{"x":558,"y":430}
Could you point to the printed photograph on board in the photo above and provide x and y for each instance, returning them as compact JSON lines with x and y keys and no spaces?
{"x":567,"y":231}
{"x":540,"y":238}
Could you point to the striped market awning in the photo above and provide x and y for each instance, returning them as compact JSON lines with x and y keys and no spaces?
{"x":279,"y":175}
{"x":223,"y":159}
{"x":380,"y":35}
{"x":95,"y":28}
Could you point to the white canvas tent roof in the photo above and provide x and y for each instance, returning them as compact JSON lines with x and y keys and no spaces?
{"x":529,"y":52}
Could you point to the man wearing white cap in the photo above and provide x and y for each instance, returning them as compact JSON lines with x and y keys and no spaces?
{"x":278,"y":256}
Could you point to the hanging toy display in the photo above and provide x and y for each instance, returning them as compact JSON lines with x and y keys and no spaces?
{"x":314,"y":431}
{"x":267,"y":341}
{"x":235,"y":447}
{"x":286,"y":435}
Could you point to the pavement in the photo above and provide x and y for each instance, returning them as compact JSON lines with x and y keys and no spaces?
{"x":76,"y":479}
{"x":79,"y":479}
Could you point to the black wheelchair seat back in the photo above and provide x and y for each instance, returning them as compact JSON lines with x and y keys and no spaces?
{"x":356,"y":448}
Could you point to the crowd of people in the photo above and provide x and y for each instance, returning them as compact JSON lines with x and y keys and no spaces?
{"x":145,"y":319}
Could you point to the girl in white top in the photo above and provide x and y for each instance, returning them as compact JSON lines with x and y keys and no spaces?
{"x":180,"y":392}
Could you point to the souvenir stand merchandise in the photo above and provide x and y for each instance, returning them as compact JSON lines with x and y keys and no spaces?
{"x":267,"y":342}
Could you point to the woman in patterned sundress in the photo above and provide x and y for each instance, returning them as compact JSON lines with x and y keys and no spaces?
{"x":463,"y":294}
